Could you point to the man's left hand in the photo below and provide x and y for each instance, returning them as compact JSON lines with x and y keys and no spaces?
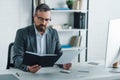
{"x":67,"y":66}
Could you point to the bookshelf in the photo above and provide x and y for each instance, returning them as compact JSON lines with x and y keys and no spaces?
{"x":65,"y":36}
{"x":61,"y":17}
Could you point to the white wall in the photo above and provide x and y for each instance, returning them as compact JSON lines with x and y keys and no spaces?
{"x":100,"y":12}
{"x":14,"y":14}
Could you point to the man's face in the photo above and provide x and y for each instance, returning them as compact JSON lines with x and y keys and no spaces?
{"x":41,"y":20}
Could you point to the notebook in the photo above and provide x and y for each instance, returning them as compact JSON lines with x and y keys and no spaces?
{"x":47,"y":60}
{"x":8,"y":77}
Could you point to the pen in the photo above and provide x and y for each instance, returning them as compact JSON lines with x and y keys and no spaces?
{"x":83,"y":71}
{"x":17,"y":74}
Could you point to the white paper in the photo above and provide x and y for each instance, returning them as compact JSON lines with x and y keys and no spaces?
{"x":67,"y":57}
{"x":40,"y":54}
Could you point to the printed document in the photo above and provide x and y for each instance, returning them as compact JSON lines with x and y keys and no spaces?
{"x":67,"y":57}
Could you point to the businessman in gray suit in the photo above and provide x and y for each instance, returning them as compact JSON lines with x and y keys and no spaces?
{"x":39,"y":38}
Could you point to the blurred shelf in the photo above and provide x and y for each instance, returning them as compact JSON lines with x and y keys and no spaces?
{"x":83,"y":11}
{"x":74,"y":48}
{"x":71,"y":30}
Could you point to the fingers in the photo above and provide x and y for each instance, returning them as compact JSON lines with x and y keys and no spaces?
{"x":67,"y":66}
{"x":34,"y":68}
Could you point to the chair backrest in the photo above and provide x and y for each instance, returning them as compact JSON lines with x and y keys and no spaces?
{"x":10,"y":55}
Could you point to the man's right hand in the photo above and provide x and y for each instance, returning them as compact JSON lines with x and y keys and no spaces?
{"x":34,"y":68}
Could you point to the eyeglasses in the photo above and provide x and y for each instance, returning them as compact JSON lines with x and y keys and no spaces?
{"x":42,"y":19}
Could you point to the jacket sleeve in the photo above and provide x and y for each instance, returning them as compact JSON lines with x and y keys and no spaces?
{"x":58,"y":49}
{"x":19,"y":50}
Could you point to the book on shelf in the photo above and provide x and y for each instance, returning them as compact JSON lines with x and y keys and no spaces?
{"x":77,"y":4}
{"x":79,"y":20}
{"x":78,"y":41}
{"x":72,"y":40}
{"x":83,"y":21}
{"x":75,"y":41}
{"x":37,"y":2}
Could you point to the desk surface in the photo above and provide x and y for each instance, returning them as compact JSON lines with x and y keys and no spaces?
{"x":78,"y":72}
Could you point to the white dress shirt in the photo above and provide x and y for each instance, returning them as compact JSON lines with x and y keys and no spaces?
{"x":41,"y":42}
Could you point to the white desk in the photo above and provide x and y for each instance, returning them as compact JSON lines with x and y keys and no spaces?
{"x":95,"y":73}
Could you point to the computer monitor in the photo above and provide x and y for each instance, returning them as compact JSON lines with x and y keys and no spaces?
{"x":113,"y":43}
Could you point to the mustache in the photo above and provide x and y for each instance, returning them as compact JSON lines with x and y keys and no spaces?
{"x":41,"y":25}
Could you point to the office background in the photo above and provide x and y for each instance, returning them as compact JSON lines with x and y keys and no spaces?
{"x":15,"y":14}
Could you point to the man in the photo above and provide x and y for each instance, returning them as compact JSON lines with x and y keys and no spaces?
{"x":39,"y":38}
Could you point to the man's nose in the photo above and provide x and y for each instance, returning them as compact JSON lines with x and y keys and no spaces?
{"x":43,"y":22}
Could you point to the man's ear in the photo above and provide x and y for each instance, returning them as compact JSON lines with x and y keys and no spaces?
{"x":34,"y":16}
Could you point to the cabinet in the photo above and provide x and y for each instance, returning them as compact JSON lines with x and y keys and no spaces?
{"x":77,"y":20}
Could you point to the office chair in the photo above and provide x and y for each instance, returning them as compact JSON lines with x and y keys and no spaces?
{"x":10,"y":55}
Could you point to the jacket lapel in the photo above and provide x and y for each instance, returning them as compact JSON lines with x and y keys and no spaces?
{"x":48,"y":42}
{"x":33,"y":38}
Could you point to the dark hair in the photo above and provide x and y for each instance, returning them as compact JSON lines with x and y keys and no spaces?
{"x":42,"y":7}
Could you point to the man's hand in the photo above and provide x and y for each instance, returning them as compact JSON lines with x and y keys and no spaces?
{"x":34,"y":68}
{"x":67,"y":66}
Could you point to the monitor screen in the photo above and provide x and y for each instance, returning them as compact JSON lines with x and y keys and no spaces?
{"x":113,"y":42}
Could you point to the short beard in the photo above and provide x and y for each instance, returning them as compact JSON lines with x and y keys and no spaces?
{"x":41,"y":28}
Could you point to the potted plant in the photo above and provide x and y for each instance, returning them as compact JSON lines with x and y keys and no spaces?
{"x":69,"y":3}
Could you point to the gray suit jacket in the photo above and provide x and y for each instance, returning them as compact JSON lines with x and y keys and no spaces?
{"x":26,"y":41}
